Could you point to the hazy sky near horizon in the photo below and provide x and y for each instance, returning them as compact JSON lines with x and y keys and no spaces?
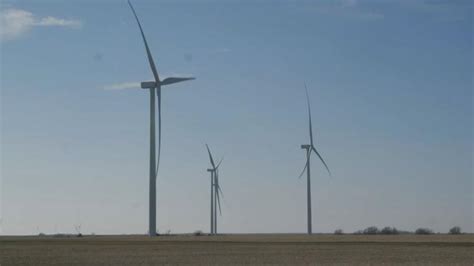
{"x":390,"y":85}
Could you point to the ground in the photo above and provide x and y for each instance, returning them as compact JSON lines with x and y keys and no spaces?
{"x":278,"y":249}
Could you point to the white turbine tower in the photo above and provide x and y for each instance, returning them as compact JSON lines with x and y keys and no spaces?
{"x":154,"y":86}
{"x":309,"y":149}
{"x":211,"y":231}
{"x":215,"y":192}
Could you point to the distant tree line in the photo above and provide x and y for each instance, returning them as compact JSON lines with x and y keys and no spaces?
{"x":374,"y":230}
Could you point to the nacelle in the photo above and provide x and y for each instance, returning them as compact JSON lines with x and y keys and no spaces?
{"x":148,"y":85}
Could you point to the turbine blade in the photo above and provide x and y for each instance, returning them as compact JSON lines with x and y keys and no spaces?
{"x":305,"y":166}
{"x":309,"y":116}
{"x":150,"y":58}
{"x":210,"y":157}
{"x":218,"y":187}
{"x":220,"y":191}
{"x":171,"y":80}
{"x":219,"y":163}
{"x":219,"y":203}
{"x":322,"y":160}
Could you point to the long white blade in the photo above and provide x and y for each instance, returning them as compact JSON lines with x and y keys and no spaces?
{"x":308,"y":154}
{"x":217,"y":167}
{"x":172,"y":80}
{"x":321,"y":158}
{"x":219,"y":201}
{"x":309,"y":116}
{"x":219,"y":190}
{"x":148,"y":53}
{"x":210,"y":157}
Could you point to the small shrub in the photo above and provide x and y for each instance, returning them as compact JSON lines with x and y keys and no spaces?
{"x":455,"y":230}
{"x":372,"y":230}
{"x":198,"y":233}
{"x":423,"y":231}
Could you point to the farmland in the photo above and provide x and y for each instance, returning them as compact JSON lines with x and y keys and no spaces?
{"x":275,"y":249}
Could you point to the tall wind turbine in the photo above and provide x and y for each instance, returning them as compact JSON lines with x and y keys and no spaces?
{"x":215,"y":191}
{"x":154,"y":86}
{"x":309,"y":149}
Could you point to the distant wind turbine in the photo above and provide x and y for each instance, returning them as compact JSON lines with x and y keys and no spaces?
{"x":215,"y":191}
{"x":309,"y":149}
{"x":154,"y":163}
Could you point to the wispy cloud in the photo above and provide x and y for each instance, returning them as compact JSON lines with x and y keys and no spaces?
{"x":122,"y":86}
{"x":52,"y":21}
{"x":16,"y":22}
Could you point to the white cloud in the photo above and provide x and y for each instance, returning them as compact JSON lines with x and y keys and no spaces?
{"x":123,"y":86}
{"x":52,"y":21}
{"x":16,"y":22}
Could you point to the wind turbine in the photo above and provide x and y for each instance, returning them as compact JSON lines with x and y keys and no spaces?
{"x":215,"y":191}
{"x":309,"y":149}
{"x":154,"y":86}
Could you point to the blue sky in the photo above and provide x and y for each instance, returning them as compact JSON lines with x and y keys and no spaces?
{"x":390,"y":85}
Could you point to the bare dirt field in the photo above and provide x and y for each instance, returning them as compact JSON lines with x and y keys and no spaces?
{"x":278,"y":249}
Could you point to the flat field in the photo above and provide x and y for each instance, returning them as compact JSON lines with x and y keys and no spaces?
{"x":261,"y":249}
